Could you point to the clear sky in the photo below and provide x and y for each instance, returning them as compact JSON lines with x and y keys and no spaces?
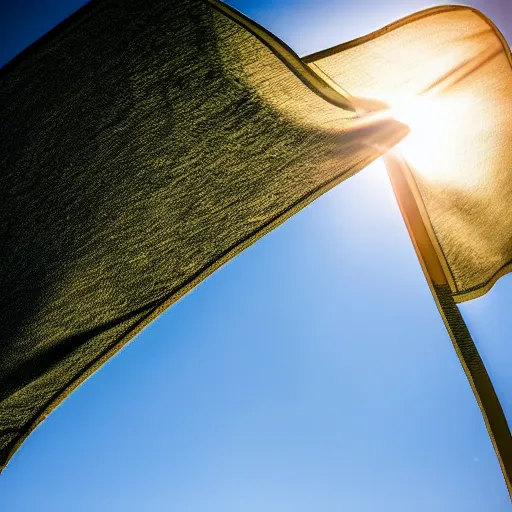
{"x":267,"y":388}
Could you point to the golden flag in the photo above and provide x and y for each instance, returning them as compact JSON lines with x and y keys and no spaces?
{"x":446,"y":72}
{"x":146,"y":143}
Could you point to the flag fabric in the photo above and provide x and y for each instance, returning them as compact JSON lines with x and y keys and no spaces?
{"x":447,"y":72}
{"x":144,"y":143}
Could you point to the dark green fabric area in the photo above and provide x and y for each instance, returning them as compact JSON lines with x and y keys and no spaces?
{"x":137,"y":150}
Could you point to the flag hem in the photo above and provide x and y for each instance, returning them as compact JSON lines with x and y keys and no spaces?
{"x":425,"y":13}
{"x":482,"y":289}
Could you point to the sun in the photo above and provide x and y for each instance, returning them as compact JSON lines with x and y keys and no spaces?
{"x":427,"y":119}
{"x":438,"y":124}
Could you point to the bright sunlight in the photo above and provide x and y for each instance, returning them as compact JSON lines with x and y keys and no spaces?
{"x":436,"y":123}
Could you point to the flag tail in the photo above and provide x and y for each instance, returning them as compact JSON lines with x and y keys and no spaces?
{"x":431,"y":260}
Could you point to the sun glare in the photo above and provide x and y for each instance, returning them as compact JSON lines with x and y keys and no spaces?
{"x":432,"y":147}
{"x":424,"y":117}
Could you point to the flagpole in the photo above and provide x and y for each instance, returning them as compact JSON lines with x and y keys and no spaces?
{"x":403,"y":185}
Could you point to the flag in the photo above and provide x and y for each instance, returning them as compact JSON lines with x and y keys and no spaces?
{"x":446,"y":72}
{"x":147,"y":143}
{"x":144,"y":144}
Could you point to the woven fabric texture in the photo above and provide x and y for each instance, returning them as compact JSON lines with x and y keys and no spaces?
{"x":144,"y":143}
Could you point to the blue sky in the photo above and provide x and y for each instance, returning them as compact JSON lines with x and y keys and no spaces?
{"x":267,"y":388}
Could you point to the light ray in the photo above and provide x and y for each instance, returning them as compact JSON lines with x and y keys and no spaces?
{"x":438,"y":117}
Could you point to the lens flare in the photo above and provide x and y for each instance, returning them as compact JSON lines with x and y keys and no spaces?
{"x":438,"y":123}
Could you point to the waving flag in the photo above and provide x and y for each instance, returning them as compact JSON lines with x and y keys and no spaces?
{"x":457,"y":100}
{"x":452,"y":175}
{"x":143,"y":145}
{"x":147,"y":143}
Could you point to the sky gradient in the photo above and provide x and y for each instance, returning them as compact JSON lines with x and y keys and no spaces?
{"x":266,"y":388}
